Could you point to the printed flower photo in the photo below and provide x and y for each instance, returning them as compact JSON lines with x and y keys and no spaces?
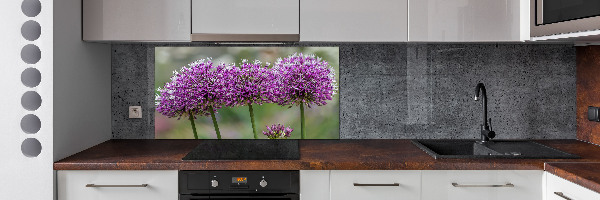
{"x":246,"y":92}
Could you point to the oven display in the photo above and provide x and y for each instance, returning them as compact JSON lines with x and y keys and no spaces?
{"x":239,"y":180}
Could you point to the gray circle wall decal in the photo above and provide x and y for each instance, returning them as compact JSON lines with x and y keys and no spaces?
{"x":31,"y":147}
{"x":31,"y":124}
{"x":31,"y":54}
{"x":31,"y":77}
{"x":31,"y":100}
{"x":31,"y":8}
{"x":31,"y":30}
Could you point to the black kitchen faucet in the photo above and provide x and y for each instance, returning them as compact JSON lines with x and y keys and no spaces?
{"x":486,"y":129}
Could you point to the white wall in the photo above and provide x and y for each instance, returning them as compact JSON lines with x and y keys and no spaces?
{"x":75,"y":92}
{"x":82,"y":84}
{"x":24,"y":177}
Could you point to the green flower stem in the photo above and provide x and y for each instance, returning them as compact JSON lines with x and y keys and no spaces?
{"x":214,"y":119}
{"x":302,"y":133}
{"x":252,"y":120}
{"x":193,"y":125}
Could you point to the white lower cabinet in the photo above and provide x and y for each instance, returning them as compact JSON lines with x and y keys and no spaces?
{"x":117,"y":185}
{"x":314,"y":185}
{"x":482,"y":184}
{"x":375,"y":185}
{"x":340,"y":185}
{"x":561,"y":189}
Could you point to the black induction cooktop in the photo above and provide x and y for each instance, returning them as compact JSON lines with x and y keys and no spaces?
{"x":245,"y":149}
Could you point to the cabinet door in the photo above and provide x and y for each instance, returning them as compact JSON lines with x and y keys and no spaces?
{"x":482,"y":184}
{"x":245,"y":17}
{"x":136,"y":20}
{"x":375,"y":185}
{"x":354,"y":20}
{"x":117,"y":185}
{"x":468,"y":20}
{"x":314,"y":184}
{"x":561,"y":189}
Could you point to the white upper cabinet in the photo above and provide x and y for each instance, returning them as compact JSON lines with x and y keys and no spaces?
{"x":307,"y":20}
{"x":136,"y":20}
{"x":468,"y":20}
{"x":354,"y":20}
{"x":245,"y":20}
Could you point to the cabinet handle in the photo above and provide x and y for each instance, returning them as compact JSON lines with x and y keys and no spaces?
{"x":362,"y":184}
{"x":505,"y":185}
{"x":94,"y":185}
{"x":560,"y":194}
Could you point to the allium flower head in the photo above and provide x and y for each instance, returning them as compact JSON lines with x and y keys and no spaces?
{"x":304,"y":79}
{"x":193,"y":89}
{"x":254,"y":84}
{"x":278,"y":131}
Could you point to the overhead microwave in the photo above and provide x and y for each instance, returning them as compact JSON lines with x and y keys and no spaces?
{"x":564,"y":17}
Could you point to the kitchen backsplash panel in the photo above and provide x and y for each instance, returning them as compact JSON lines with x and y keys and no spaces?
{"x":407,"y":90}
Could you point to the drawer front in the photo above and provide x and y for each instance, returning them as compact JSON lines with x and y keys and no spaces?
{"x":117,"y":185}
{"x":482,"y":184}
{"x":379,"y":185}
{"x":566,"y":190}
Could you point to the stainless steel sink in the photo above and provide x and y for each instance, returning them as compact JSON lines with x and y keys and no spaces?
{"x":493,"y":149}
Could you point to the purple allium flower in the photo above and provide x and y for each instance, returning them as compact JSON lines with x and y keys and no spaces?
{"x":304,"y":79}
{"x":278,"y":131}
{"x":195,"y":88}
{"x":253,"y":84}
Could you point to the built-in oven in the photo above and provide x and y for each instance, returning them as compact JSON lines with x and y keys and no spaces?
{"x":553,"y":17}
{"x":234,"y":185}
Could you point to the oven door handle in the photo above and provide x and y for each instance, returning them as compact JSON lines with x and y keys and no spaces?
{"x":99,"y":186}
{"x":194,"y":197}
{"x":191,"y":197}
{"x":250,"y":197}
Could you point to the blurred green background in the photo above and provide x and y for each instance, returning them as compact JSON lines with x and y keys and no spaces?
{"x":322,"y":122}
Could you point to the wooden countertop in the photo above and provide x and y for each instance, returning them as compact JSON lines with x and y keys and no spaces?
{"x":581,"y":173}
{"x":378,"y":154}
{"x":332,"y":155}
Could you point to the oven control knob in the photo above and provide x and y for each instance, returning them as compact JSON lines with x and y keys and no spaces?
{"x":214,"y":183}
{"x":263,"y":183}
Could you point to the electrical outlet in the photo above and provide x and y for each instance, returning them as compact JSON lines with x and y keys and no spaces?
{"x":135,"y":112}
